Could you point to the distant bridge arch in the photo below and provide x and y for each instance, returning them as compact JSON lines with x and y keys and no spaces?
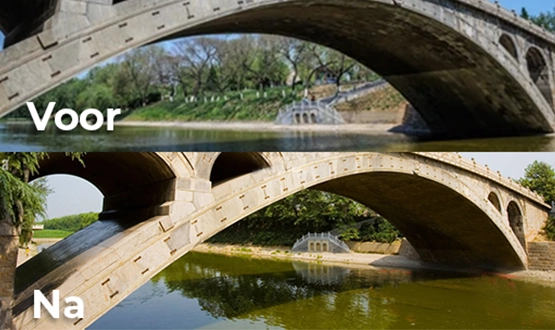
{"x":438,"y":201}
{"x":450,"y":59}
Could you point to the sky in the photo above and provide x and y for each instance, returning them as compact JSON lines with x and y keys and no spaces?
{"x":73,"y":195}
{"x":533,"y":6}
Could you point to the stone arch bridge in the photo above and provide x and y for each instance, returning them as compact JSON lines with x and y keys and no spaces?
{"x":158,"y":206}
{"x":470,"y":68}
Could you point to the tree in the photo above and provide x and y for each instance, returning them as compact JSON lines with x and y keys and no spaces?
{"x":20,"y":203}
{"x":545,"y":20}
{"x":540,"y":177}
{"x":285,"y":221}
{"x":335,"y":64}
{"x":295,"y":52}
{"x":195,"y":57}
{"x":137,"y":76}
{"x":263,"y":62}
{"x":524,"y":13}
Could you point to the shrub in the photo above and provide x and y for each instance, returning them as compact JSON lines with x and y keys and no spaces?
{"x":549,"y":228}
{"x":380,"y":230}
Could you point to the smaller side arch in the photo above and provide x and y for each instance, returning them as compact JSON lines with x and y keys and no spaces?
{"x":229,"y":165}
{"x":516,"y":222}
{"x":510,"y":46}
{"x":539,"y":73}
{"x":494,"y":200}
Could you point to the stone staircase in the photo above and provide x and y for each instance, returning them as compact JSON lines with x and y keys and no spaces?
{"x":309,"y":113}
{"x":322,"y":242}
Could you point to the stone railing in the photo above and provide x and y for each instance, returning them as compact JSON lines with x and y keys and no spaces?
{"x":327,"y":236}
{"x":472,"y":166}
{"x":357,"y":92}
{"x":308,"y":112}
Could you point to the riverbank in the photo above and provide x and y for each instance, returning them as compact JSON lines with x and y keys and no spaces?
{"x":264,"y":126}
{"x":34,"y":248}
{"x":369,"y":260}
{"x":282,"y":252}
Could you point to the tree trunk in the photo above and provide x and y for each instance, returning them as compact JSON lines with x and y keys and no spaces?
{"x":8,"y":263}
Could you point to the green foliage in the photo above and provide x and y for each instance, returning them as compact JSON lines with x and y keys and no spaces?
{"x":350,"y":234}
{"x":250,"y":107}
{"x":549,"y":228}
{"x":524,"y":13}
{"x":545,"y":20}
{"x":51,"y":233}
{"x":201,"y":67}
{"x":21,"y":201}
{"x":540,"y":177}
{"x":71,"y":223}
{"x":284,"y":222}
{"x":15,"y":194}
{"x":379,"y":230}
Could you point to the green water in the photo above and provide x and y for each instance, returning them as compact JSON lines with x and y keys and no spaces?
{"x":215,"y":291}
{"x":24,"y":137}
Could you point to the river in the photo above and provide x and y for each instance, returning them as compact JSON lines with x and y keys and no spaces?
{"x":24,"y":137}
{"x":223,"y":292}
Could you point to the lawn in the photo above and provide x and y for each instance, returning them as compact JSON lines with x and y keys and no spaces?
{"x":47,"y":233}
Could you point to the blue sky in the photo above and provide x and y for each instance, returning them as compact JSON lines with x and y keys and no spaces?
{"x":533,"y":6}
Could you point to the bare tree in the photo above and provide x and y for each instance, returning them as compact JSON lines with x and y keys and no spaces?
{"x":295,"y":52}
{"x":195,"y":57}
{"x":332,"y":62}
{"x":138,"y":72}
{"x":263,"y":62}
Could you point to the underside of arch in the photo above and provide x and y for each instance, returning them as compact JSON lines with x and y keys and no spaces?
{"x":457,"y":87}
{"x":229,"y":165}
{"x":516,"y":220}
{"x":509,"y":45}
{"x":539,"y":73}
{"x":134,"y":185}
{"x":443,"y":226}
{"x":111,"y":173}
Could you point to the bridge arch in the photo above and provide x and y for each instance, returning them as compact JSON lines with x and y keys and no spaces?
{"x":229,"y":165}
{"x":510,"y":46}
{"x":495,"y":201}
{"x":134,"y":183}
{"x":516,"y":220}
{"x":427,"y":57}
{"x":539,"y":73}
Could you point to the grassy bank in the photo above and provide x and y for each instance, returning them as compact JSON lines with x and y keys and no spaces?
{"x":51,"y":233}
{"x":386,"y":99}
{"x":231,"y":107}
{"x":253,"y":106}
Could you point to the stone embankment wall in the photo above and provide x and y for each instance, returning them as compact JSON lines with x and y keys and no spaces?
{"x":541,"y":255}
{"x":402,"y":248}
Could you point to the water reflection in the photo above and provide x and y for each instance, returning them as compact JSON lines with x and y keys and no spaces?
{"x":24,"y":137}
{"x":320,"y":274}
{"x":221,"y":291}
